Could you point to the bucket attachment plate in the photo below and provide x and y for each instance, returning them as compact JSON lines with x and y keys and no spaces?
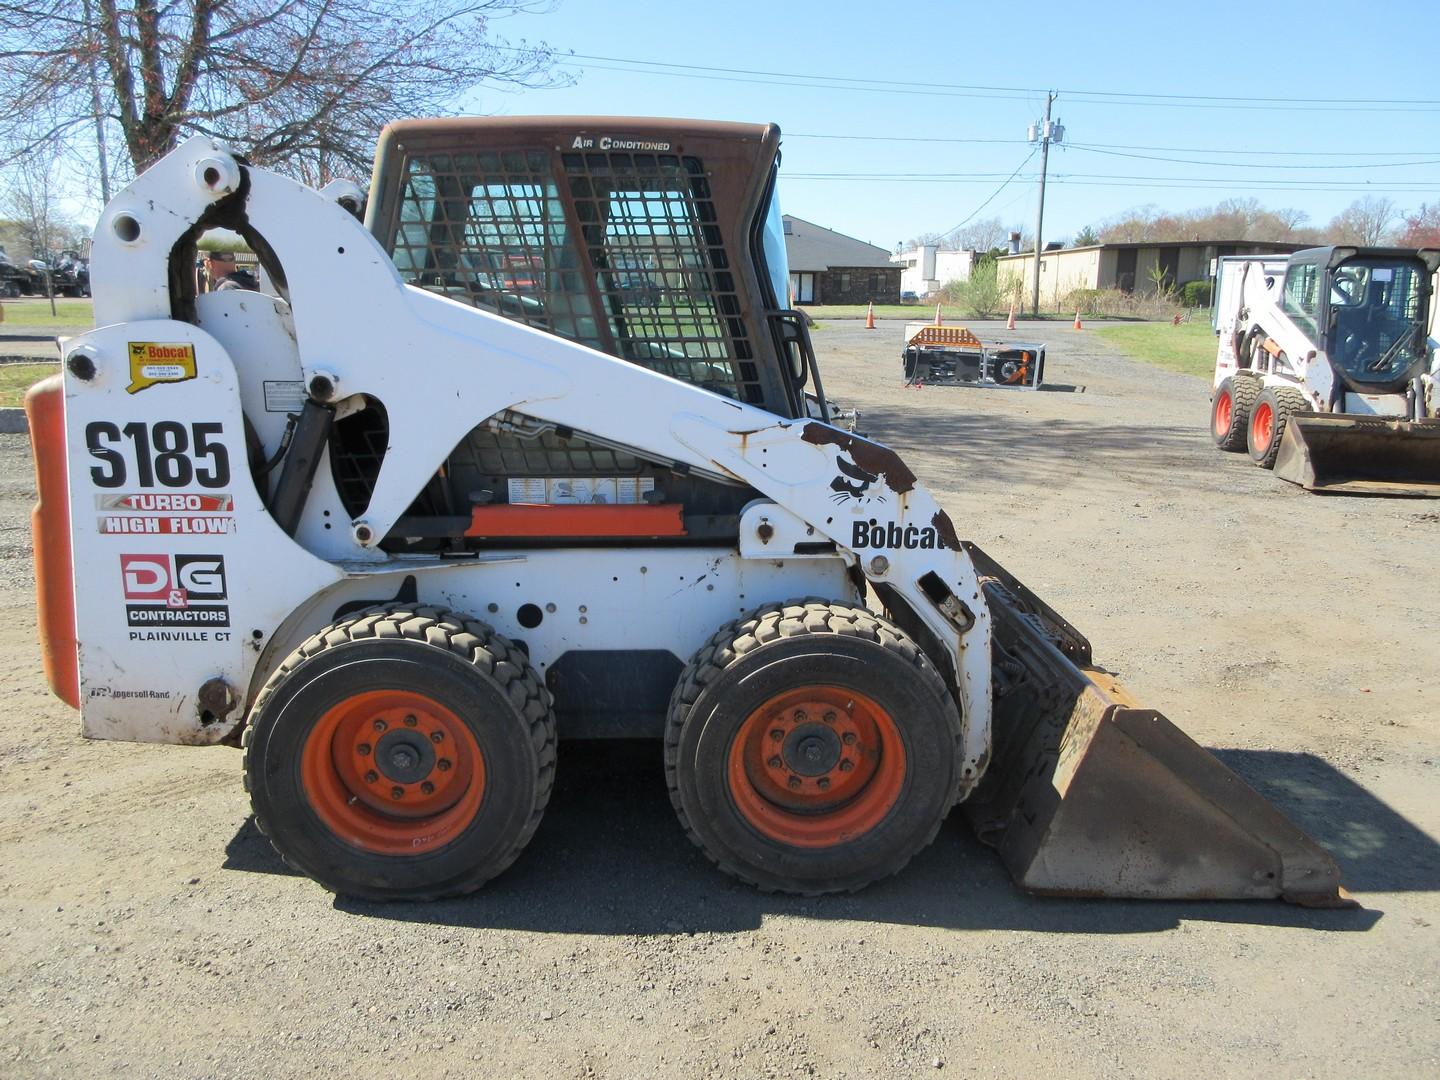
{"x":1087,"y":794}
{"x":1361,"y":455}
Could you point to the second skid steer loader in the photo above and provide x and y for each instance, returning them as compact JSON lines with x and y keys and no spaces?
{"x":541,"y":455}
{"x":1324,"y":371}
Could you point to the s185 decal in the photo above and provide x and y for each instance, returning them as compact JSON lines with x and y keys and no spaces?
{"x":165,"y":454}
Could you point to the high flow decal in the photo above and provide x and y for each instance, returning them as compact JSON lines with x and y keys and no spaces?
{"x":173,"y":596}
{"x":165,"y":514}
{"x":154,"y":362}
{"x":164,"y":454}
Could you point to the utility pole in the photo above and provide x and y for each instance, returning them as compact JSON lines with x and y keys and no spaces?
{"x":1044,"y":132}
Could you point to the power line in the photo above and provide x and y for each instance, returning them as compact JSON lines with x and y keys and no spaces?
{"x":991,"y":199}
{"x":1087,"y":149}
{"x":1420,"y":185}
{"x":1117,"y":146}
{"x":1176,"y":183}
{"x":1095,"y":97}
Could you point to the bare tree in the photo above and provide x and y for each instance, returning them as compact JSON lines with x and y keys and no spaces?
{"x":31,"y":200}
{"x":1422,"y":228}
{"x":303,"y":85}
{"x":1365,"y":221}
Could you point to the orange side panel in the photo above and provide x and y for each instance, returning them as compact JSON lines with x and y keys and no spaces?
{"x":541,"y":520}
{"x":50,"y":530}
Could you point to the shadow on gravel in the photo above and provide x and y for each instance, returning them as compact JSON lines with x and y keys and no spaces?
{"x":1377,"y":849}
{"x":610,"y":858}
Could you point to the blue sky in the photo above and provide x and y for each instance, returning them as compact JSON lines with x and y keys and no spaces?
{"x":1365,"y":101}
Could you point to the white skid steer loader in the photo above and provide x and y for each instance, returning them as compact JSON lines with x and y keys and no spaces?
{"x":1324,"y":371}
{"x":539,"y":454}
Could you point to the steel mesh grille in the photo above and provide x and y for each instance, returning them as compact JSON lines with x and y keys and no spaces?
{"x":645,"y":249}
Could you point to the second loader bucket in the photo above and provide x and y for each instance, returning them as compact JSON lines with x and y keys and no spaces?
{"x":1361,"y":455}
{"x":1087,"y":794}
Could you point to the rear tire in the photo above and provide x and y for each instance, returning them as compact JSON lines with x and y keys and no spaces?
{"x":1269,"y":417}
{"x":1230,"y":411}
{"x":812,"y":748}
{"x":405,"y":753}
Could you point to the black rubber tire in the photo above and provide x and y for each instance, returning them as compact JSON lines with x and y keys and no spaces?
{"x":461,"y":663}
{"x":1242,"y":391}
{"x":800,"y":643}
{"x":1283,"y":403}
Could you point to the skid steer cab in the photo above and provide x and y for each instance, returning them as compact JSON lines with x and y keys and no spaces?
{"x":1325,"y":370}
{"x":536,"y":452}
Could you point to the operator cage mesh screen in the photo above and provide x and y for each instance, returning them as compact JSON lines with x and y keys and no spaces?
{"x":622,"y":252}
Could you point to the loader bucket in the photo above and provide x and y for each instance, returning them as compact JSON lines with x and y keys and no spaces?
{"x":1088,"y":794}
{"x":1361,"y":455}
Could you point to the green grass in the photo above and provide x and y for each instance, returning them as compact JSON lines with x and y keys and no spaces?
{"x":1188,"y":348}
{"x":15,"y":379}
{"x":72,"y":314}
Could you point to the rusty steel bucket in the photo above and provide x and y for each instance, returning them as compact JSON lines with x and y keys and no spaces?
{"x":1361,"y":455}
{"x":1088,"y":794}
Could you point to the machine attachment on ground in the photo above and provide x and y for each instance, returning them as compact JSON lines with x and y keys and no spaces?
{"x":953,"y":356}
{"x":537,"y":452}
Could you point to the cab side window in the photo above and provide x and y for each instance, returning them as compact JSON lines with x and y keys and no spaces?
{"x":1301,"y":298}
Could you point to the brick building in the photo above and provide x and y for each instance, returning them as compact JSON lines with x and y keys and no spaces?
{"x":827,"y":267}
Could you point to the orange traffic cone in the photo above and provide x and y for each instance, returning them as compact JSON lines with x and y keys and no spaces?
{"x":1077,"y":321}
{"x":938,"y":321}
{"x":870,"y":316}
{"x":1010,"y":323}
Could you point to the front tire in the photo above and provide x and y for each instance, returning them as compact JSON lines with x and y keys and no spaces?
{"x":1269,"y":417}
{"x":406,"y":753}
{"x":812,"y":748}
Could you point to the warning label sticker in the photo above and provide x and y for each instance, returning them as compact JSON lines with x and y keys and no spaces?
{"x":154,"y":362}
{"x":580,"y":490}
{"x":282,"y":395}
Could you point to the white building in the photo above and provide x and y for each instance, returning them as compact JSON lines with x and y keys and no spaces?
{"x":929,"y":268}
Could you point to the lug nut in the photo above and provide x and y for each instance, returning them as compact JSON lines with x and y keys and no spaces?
{"x":443,"y":764}
{"x":799,"y":715}
{"x":824,"y":783}
{"x":363,"y":749}
{"x":371,"y":776}
{"x":410,"y":721}
{"x":380,"y":725}
{"x":428,"y":788}
{"x":849,"y":738}
{"x":794,"y":783}
{"x":829,"y":718}
{"x":846,"y":765}
{"x":777,"y":734}
{"x":397,"y":792}
{"x":437,"y":736}
{"x":775,"y":762}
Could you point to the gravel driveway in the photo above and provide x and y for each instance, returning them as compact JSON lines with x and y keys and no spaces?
{"x":148,"y":930}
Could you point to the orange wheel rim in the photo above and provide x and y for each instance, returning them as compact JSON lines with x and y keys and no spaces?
{"x":1264,"y":426}
{"x":816,"y":767}
{"x":1222,"y":414}
{"x":393,"y":772}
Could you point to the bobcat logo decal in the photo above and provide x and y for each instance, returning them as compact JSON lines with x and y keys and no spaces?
{"x":857,"y":484}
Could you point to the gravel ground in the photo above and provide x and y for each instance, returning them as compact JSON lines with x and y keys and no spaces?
{"x":148,"y":930}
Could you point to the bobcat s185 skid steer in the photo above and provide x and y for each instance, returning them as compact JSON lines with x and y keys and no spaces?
{"x":539,"y":454}
{"x":1324,"y":371}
